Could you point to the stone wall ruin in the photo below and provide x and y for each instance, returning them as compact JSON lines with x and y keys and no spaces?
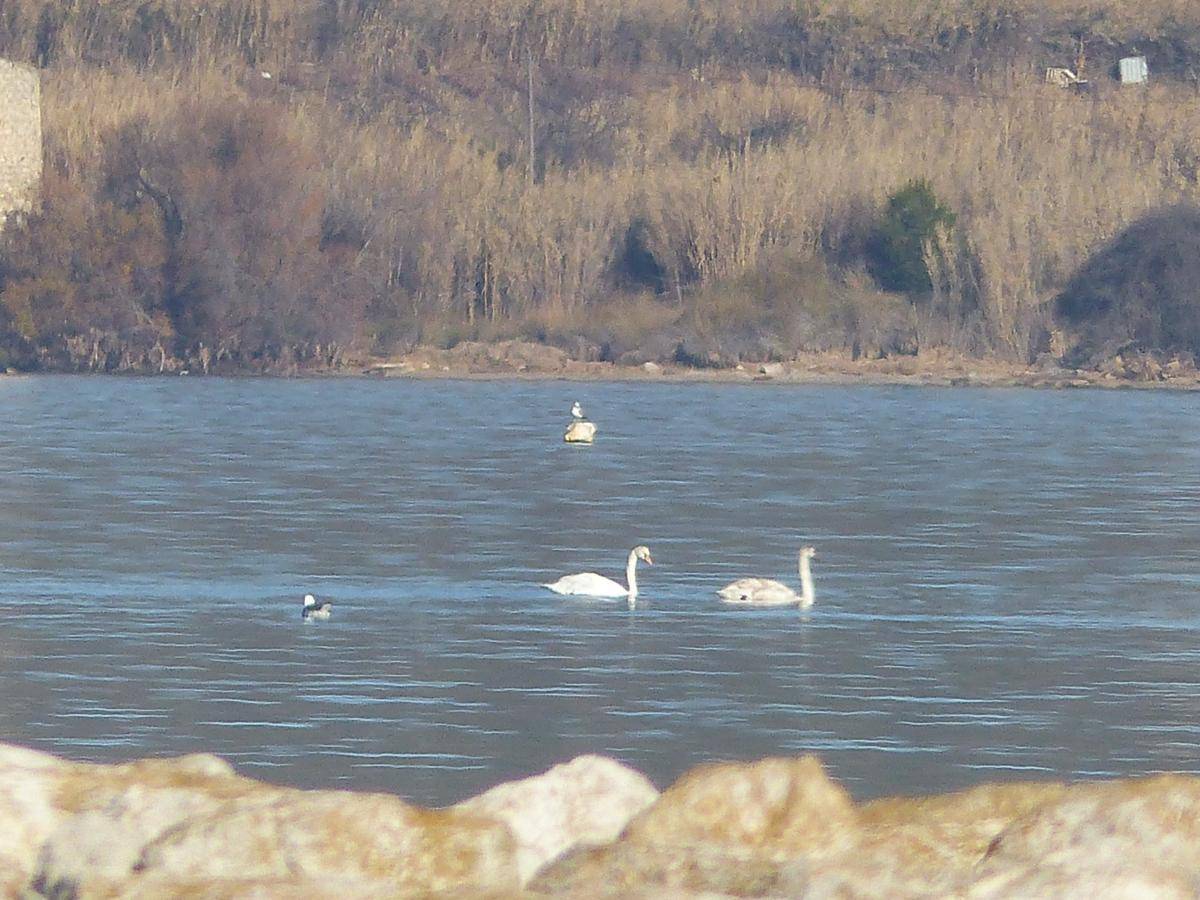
{"x":20,"y":138}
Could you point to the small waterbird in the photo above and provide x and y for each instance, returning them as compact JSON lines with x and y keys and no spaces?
{"x":314,"y":610}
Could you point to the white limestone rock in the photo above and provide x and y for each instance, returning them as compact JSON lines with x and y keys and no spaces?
{"x":585,"y":802}
{"x":28,"y":815}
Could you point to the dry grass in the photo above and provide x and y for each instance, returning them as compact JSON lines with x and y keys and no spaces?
{"x":380,"y":36}
{"x":416,"y":114}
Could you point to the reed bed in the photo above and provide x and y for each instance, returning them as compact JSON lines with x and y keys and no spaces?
{"x":694,"y":140}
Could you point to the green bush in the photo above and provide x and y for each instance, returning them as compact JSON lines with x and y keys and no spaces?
{"x":896,"y":249}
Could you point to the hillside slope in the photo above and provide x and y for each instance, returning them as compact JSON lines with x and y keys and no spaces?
{"x":265,"y":185}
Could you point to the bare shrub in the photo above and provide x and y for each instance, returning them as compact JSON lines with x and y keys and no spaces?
{"x":791,"y":304}
{"x":1141,"y":286}
{"x":82,"y":283}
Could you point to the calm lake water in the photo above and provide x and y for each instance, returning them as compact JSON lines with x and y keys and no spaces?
{"x":1008,"y":583}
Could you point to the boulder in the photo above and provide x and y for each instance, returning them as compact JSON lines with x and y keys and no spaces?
{"x":337,"y":834}
{"x":28,"y":813}
{"x":775,"y":805}
{"x":783,"y":828}
{"x":959,"y":825}
{"x":589,"y":828}
{"x":915,"y":847}
{"x":587,"y":801}
{"x":1183,"y":363}
{"x":734,"y":828}
{"x":1146,"y":368}
{"x":1115,"y":366}
{"x":1133,"y":838}
{"x":122,"y":830}
{"x":108,"y":814}
{"x":159,"y":886}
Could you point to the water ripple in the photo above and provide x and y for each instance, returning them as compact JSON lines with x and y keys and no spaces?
{"x":1006,"y":579}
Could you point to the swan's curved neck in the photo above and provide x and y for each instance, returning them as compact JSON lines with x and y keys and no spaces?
{"x":631,"y":574}
{"x":806,"y":583}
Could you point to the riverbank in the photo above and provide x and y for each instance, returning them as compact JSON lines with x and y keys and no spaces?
{"x":588,"y":828}
{"x":524,"y":360}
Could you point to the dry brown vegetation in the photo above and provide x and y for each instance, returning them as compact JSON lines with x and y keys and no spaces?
{"x":704,"y":174}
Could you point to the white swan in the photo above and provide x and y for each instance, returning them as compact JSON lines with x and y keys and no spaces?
{"x":590,"y":584}
{"x":314,"y":610}
{"x":765,"y":592}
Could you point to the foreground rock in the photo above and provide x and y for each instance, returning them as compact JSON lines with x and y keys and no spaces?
{"x":1137,"y":838}
{"x":781,"y":828}
{"x":742,"y":829}
{"x":587,"y":802}
{"x":137,"y":828}
{"x":588,"y":828}
{"x":28,"y":814}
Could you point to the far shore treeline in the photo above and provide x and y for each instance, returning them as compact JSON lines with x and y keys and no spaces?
{"x":274,"y":185}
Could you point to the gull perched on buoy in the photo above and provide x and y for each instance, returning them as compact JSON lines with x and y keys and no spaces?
{"x":580,"y":431}
{"x":314,"y":610}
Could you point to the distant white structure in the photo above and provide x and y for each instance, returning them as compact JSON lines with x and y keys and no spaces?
{"x":1133,"y":70}
{"x":1060,"y":76}
{"x":20,"y":138}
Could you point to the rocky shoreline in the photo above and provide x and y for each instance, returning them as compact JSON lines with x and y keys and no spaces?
{"x":592,"y":827}
{"x":524,"y":360}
